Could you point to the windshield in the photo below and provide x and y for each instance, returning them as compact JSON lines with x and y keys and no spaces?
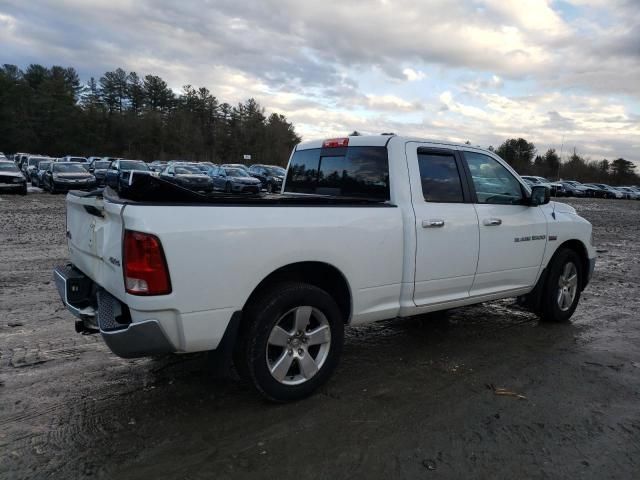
{"x":8,"y":167}
{"x":77,"y":159}
{"x":43,"y":165}
{"x":35,"y":160}
{"x":68,"y":168}
{"x":133,"y":165}
{"x":235,"y":172}
{"x":187,"y":170}
{"x":101,"y":165}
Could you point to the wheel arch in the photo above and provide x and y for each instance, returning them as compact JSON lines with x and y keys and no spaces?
{"x":320,"y":274}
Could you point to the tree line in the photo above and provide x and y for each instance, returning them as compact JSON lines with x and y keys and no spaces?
{"x":522,"y":156}
{"x":50,"y":111}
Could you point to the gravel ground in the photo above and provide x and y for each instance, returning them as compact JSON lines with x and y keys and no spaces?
{"x":411,"y":399}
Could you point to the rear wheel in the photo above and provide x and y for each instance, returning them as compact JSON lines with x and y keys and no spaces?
{"x":561,"y":293}
{"x":292,"y":341}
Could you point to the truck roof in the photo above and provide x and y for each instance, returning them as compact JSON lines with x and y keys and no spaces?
{"x":381,"y":141}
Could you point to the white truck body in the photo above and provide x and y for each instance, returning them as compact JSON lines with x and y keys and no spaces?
{"x":399,"y":258}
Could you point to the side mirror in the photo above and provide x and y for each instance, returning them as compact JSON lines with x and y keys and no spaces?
{"x":540,"y":195}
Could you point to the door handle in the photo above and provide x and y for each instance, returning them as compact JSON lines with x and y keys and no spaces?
{"x":432,"y":223}
{"x":492,"y":222}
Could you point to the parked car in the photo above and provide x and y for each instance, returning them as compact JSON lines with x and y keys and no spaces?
{"x":98,"y":167}
{"x":577,"y":186}
{"x":557,"y":189}
{"x":574,"y":189}
{"x":628,"y":193}
{"x":605,"y":190}
{"x":119,"y":172}
{"x":188,"y":176}
{"x":38,"y":173}
{"x":391,"y":227}
{"x":11,"y":178}
{"x":31,"y":165}
{"x":71,"y":158}
{"x":234,"y":180}
{"x":270,"y":176}
{"x":19,"y":159}
{"x":236,"y":165}
{"x":65,"y":176}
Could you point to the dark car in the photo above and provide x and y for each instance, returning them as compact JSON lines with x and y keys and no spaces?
{"x":11,"y":178}
{"x":65,"y":176}
{"x":98,"y":168}
{"x":120,"y":171}
{"x":188,"y":176}
{"x":588,"y":191}
{"x":270,"y":176}
{"x":37,"y":174}
{"x":603,"y":190}
{"x":574,"y":189}
{"x":234,"y":180}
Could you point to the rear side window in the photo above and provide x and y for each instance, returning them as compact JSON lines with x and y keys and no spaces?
{"x":440,"y":178}
{"x":342,"y":172}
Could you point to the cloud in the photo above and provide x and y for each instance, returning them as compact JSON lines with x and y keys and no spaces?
{"x":413,"y":75}
{"x":475,"y":69}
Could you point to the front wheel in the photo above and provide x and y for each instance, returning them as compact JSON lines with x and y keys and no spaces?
{"x":292,"y":341}
{"x":562,"y":289}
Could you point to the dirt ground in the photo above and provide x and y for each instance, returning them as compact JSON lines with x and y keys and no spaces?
{"x":411,"y":398}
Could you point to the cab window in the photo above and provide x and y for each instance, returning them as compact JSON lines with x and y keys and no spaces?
{"x":341,"y":172}
{"x":440,"y":178}
{"x":492,"y":181}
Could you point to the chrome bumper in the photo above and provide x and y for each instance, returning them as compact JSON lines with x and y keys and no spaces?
{"x":99,"y":311}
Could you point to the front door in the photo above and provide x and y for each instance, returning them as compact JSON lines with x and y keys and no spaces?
{"x":513,"y":235}
{"x":447,"y":237}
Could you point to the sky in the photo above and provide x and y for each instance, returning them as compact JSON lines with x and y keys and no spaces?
{"x":563,"y":74}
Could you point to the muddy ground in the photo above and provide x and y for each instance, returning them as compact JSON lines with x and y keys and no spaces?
{"x":411,"y":398}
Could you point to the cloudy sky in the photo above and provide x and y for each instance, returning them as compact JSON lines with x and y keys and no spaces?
{"x":477,"y":70}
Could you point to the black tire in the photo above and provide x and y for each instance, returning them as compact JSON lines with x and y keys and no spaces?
{"x":551,"y":310}
{"x":227,"y":187}
{"x":260,"y":319}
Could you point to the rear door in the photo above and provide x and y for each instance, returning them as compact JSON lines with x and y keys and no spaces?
{"x":446,"y":224}
{"x":513,"y":235}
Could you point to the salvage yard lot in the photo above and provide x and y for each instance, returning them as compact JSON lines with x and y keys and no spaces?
{"x":411,"y":398}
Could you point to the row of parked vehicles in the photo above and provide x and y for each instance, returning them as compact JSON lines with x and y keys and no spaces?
{"x":85,"y":173}
{"x":573,"y":188}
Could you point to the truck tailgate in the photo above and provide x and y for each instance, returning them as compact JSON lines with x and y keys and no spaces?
{"x":94,"y":233}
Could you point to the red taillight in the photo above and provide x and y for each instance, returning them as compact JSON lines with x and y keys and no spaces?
{"x":145,"y":268}
{"x":336,"y":142}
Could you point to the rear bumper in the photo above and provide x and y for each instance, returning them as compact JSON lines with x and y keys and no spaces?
{"x":99,"y":311}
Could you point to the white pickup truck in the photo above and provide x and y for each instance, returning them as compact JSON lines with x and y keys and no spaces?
{"x":366,"y":228}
